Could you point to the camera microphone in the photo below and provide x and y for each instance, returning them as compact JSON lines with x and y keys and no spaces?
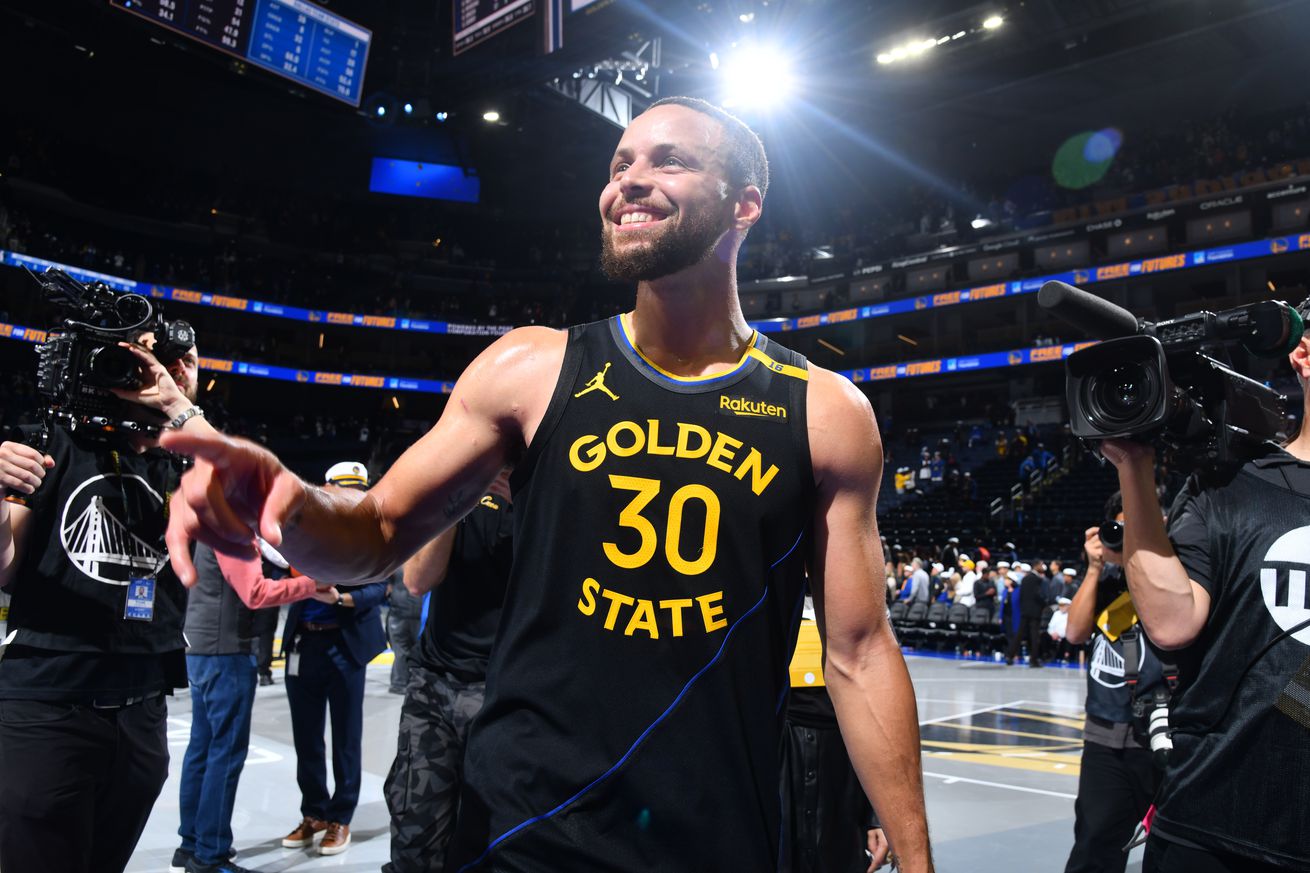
{"x":1100,"y":318}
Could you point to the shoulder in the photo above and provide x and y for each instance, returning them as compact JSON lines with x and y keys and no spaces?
{"x":514,"y":377}
{"x":523,"y":349}
{"x":843,"y":432}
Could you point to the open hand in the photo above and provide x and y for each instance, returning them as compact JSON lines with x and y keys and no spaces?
{"x":236,"y":488}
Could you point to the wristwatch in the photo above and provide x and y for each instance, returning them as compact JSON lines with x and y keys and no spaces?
{"x":340,"y":599}
{"x":182,"y":419}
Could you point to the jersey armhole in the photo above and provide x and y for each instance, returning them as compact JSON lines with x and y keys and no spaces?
{"x":568,"y":375}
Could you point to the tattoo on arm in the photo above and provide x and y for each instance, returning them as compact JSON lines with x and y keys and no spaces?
{"x":455,"y":504}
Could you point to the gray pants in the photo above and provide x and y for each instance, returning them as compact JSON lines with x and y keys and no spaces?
{"x":422,"y":788}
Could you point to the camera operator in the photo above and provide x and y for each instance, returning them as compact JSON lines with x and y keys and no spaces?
{"x":1118,"y":777}
{"x":1226,"y":586}
{"x":95,"y":633}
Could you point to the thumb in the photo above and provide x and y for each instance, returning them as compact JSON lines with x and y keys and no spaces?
{"x":284,"y":502}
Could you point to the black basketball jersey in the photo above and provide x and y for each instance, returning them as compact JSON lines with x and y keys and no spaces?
{"x":634,"y":696}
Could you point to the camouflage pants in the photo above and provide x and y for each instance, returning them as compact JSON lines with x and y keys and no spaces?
{"x":422,"y":788}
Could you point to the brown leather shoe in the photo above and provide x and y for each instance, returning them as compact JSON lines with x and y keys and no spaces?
{"x":335,"y":840}
{"x":304,"y":833}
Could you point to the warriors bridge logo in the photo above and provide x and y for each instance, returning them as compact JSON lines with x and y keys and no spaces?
{"x":98,"y":541}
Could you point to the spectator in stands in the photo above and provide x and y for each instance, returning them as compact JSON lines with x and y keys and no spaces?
{"x":984,"y":589}
{"x":1032,"y":602}
{"x":965,"y":582}
{"x":937,"y":468}
{"x":1002,"y":445}
{"x":1009,"y":599}
{"x":1026,"y":469}
{"x":916,"y":584}
{"x":949,"y":554}
{"x":1011,"y":555}
{"x":1043,"y":457}
{"x":975,"y":435}
{"x":1056,"y":628}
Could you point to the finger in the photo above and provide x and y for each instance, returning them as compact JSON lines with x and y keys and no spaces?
{"x":205,"y":497}
{"x":19,"y":450}
{"x":282,"y":506}
{"x":206,"y":445}
{"x":142,"y":355}
{"x":1092,"y":532}
{"x":179,"y":541}
{"x":25,"y":472}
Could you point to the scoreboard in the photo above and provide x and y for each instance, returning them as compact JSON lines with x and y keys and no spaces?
{"x":293,"y":38}
{"x":476,"y":20}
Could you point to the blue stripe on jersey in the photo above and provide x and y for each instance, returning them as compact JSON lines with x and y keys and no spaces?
{"x":644,"y":734}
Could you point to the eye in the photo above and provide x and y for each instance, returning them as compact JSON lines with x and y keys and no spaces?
{"x":672,"y":162}
{"x":619,"y":168}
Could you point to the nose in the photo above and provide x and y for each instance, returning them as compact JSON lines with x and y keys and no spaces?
{"x":635,"y":181}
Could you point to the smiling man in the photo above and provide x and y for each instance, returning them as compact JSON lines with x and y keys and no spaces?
{"x":663,"y":542}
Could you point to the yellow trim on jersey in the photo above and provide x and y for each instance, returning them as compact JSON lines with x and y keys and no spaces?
{"x":627,"y":334}
{"x":784,"y":369}
{"x":806,"y":670}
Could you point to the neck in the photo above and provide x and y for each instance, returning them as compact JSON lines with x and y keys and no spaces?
{"x":1299,"y":448}
{"x":691,"y":323}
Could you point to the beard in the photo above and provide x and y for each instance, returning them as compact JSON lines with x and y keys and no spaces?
{"x":676,"y":248}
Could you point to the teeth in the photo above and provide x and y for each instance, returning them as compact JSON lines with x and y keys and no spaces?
{"x":636,"y":217}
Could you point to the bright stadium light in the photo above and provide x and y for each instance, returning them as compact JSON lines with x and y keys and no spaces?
{"x":491,"y":116}
{"x":756,"y":77}
{"x":979,"y":223}
{"x":992,"y":22}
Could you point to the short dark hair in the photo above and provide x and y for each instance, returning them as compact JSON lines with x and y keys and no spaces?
{"x":1114,"y":504}
{"x":747,"y":162}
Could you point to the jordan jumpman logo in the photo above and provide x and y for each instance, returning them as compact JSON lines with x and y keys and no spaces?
{"x":597,"y":383}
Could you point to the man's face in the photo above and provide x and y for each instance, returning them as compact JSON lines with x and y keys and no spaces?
{"x":667,"y":203}
{"x":185,"y":370}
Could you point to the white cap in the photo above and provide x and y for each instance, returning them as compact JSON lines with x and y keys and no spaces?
{"x":347,"y":473}
{"x":1063,"y":601}
{"x":1070,"y":571}
{"x":982,"y":565}
{"x":1000,"y":564}
{"x":1027,"y":568}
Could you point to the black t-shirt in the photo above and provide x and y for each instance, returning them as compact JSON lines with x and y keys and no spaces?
{"x":1239,"y":776}
{"x":97,"y":523}
{"x":465,"y":607}
{"x":1109,"y":698}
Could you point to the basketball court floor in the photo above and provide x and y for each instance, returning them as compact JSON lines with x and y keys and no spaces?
{"x":1001,"y":750}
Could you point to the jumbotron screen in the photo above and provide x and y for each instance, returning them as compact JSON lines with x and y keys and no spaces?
{"x":293,"y":38}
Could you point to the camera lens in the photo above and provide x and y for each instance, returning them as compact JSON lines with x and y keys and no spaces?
{"x":1120,"y":397}
{"x":112,"y":367}
{"x":1112,"y":536}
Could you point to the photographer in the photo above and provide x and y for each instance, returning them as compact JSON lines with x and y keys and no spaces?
{"x":1225,"y":586}
{"x":1118,"y":777}
{"x":95,"y":632}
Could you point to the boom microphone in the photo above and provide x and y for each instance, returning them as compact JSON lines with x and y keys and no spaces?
{"x":1100,"y":318}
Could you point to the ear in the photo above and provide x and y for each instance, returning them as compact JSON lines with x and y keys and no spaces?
{"x":1300,"y":358}
{"x":749,"y":206}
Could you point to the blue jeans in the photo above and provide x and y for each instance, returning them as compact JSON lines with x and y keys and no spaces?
{"x":222,"y":698}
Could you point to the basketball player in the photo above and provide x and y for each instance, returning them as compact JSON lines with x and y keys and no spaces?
{"x":665,"y":524}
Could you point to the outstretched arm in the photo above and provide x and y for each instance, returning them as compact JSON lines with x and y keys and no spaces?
{"x":863,"y":667}
{"x":238,"y":488}
{"x":246,"y":576}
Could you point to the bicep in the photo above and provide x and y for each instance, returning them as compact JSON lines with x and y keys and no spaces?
{"x":486,"y":423}
{"x":846,"y":571}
